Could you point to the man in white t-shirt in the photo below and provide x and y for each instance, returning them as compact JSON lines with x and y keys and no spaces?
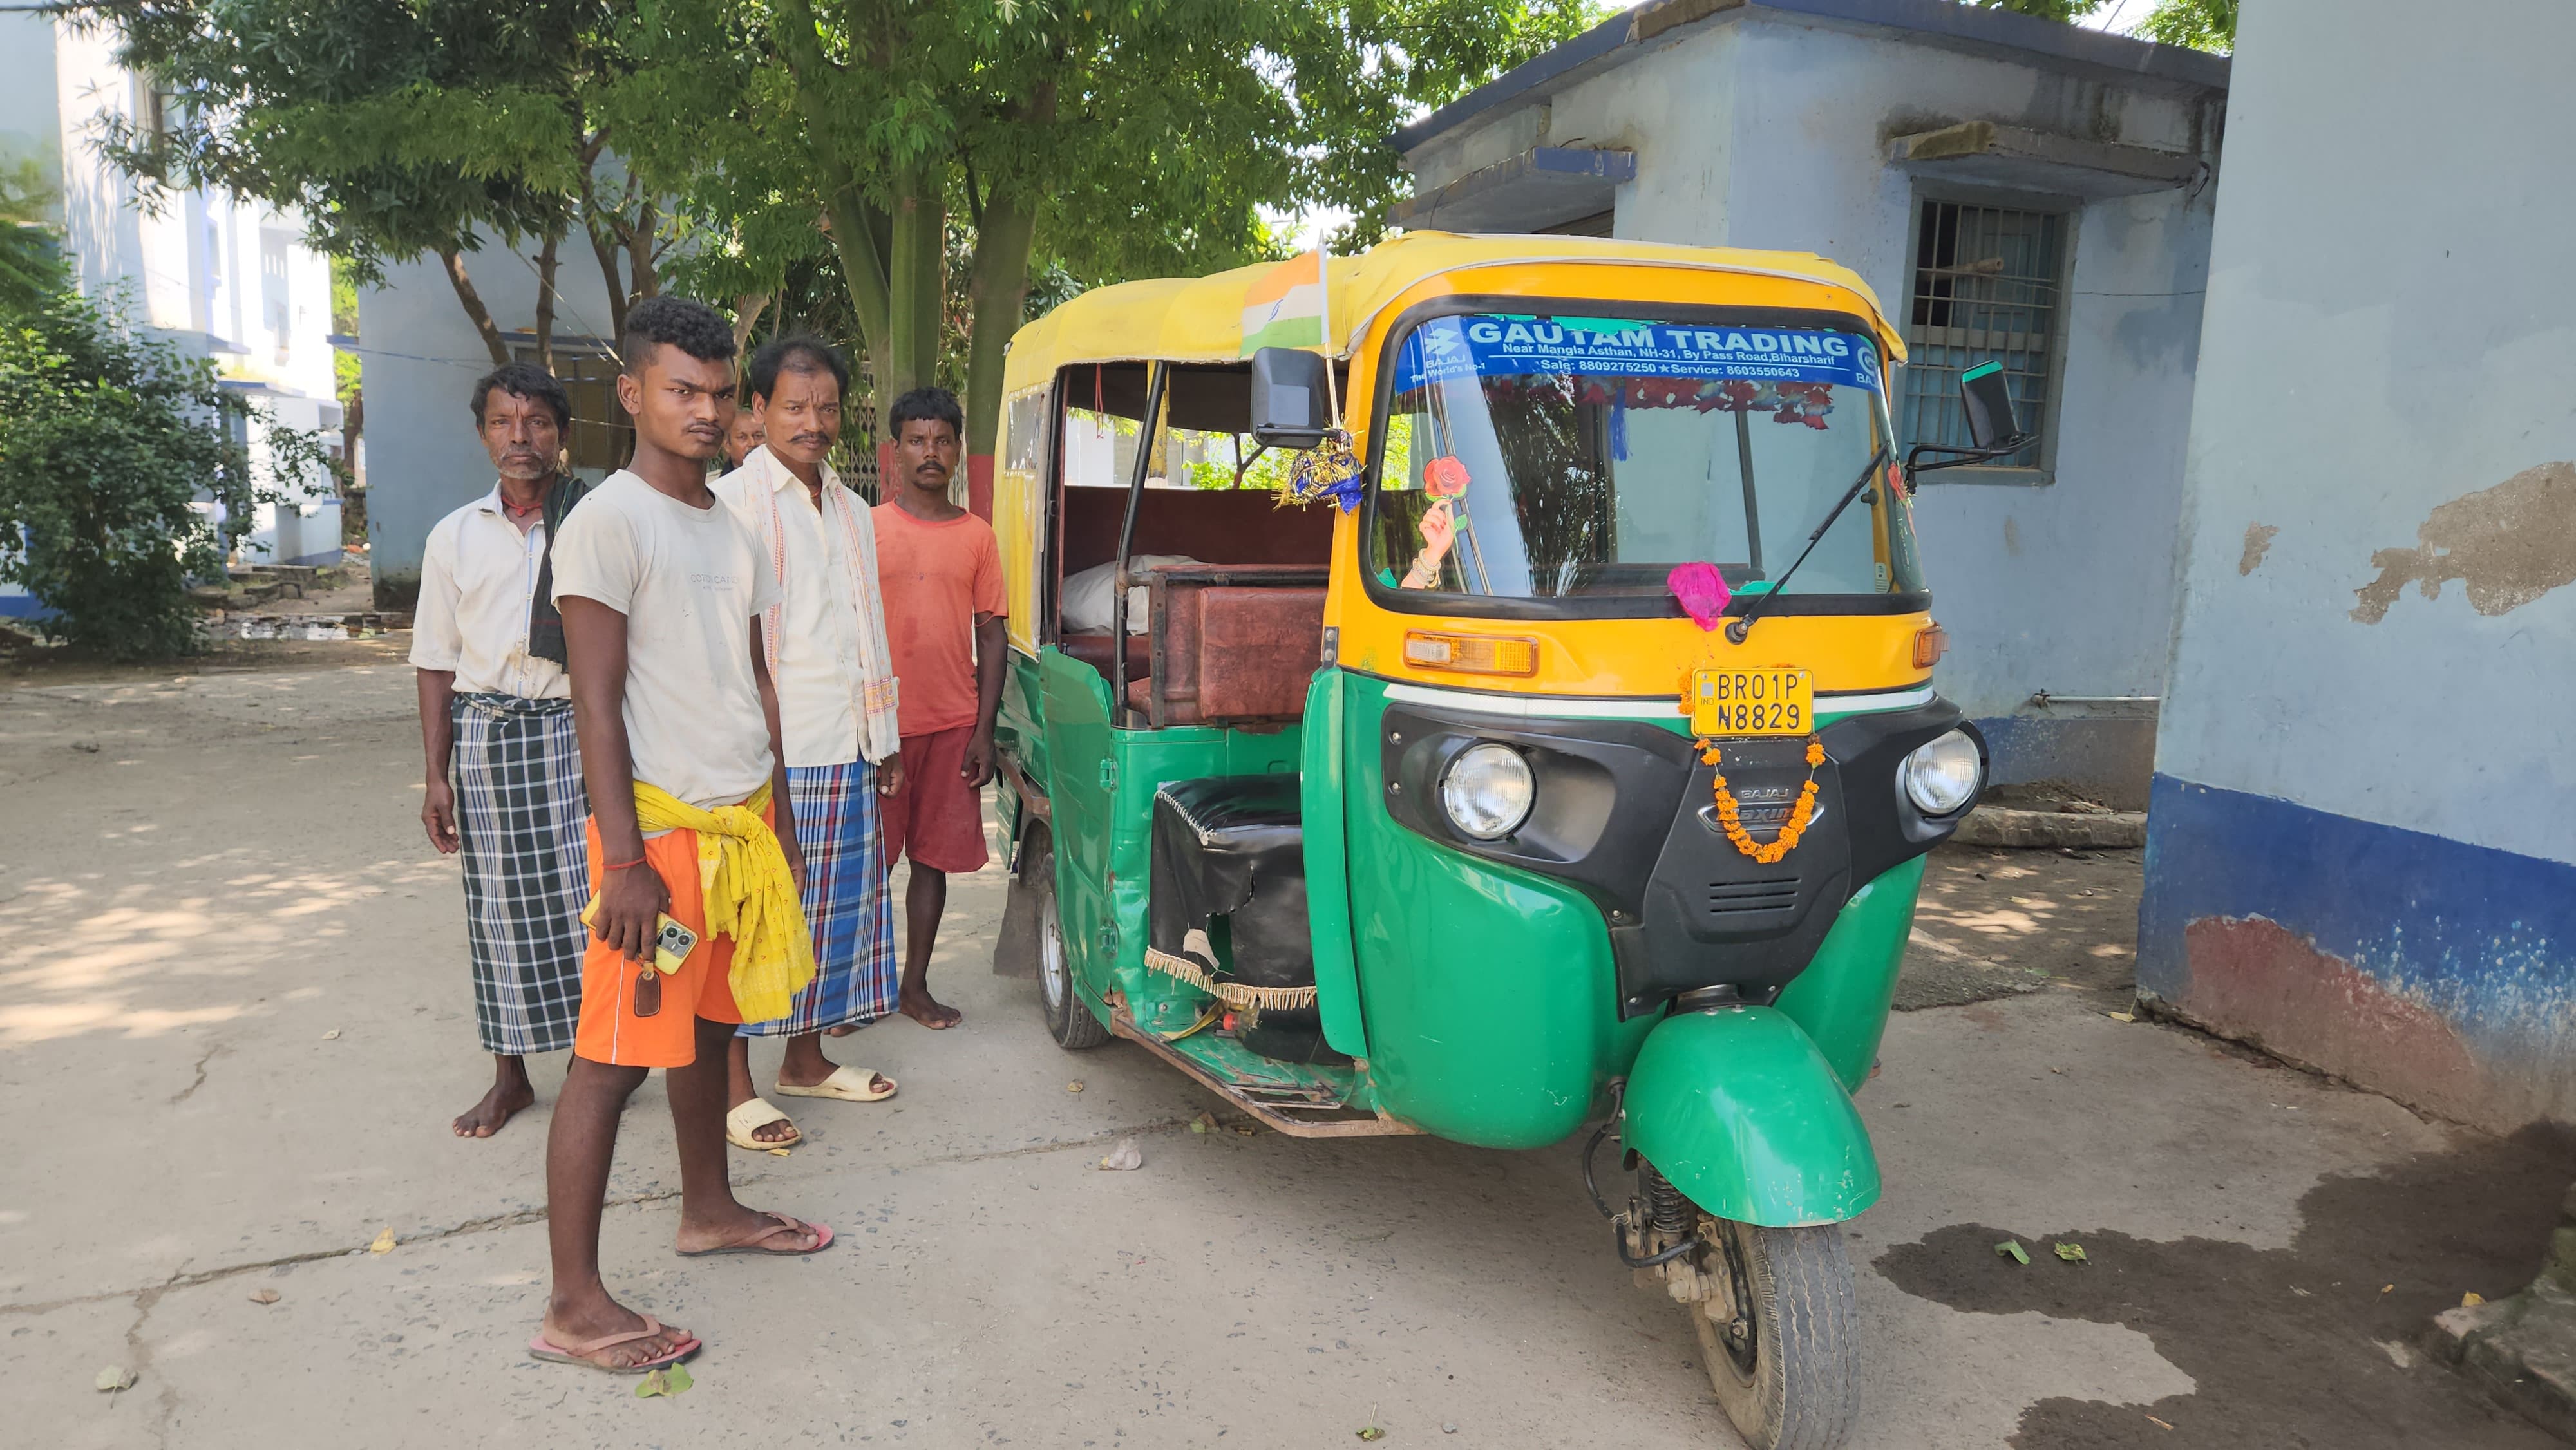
{"x":661,"y":589}
{"x":826,"y":646}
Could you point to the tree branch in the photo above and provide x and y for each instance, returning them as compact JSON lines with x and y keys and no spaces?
{"x":472,"y":302}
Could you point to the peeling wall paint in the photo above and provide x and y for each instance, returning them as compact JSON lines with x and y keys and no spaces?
{"x":2441,"y":973}
{"x":2507,"y":545}
{"x":2258,"y":542}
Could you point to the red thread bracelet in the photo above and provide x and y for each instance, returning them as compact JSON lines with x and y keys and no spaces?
{"x":624,"y":865}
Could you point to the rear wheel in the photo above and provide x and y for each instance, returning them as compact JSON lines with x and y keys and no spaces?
{"x":1781,"y":1336}
{"x":1070,"y":1022}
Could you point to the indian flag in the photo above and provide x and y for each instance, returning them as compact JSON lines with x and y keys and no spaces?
{"x":1285,"y":306}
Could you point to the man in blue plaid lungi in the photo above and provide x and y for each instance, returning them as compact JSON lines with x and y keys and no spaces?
{"x":504,"y":773}
{"x":836,"y":716}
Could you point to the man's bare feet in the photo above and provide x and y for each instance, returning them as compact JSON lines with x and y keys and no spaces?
{"x":570,"y":1323}
{"x":751,"y":1229}
{"x":510,"y":1096}
{"x":921,"y":1007}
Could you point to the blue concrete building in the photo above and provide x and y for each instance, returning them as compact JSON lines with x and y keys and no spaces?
{"x":2362,"y":851}
{"x":2014,"y":189}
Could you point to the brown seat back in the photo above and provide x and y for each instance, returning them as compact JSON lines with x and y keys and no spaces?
{"x":1234,"y":644}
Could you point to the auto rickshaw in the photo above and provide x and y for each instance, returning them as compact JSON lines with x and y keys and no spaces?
{"x":1569,"y":752}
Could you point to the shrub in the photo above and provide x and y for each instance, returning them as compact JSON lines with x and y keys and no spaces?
{"x":123,"y":476}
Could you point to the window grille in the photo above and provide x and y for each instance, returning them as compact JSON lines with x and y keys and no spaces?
{"x":1987,"y":284}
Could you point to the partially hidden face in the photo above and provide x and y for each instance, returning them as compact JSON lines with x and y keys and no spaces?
{"x":745,"y":436}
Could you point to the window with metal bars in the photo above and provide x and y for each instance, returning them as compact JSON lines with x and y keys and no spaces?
{"x":1987,"y":286}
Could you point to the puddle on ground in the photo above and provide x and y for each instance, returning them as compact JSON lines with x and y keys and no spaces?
{"x":2286,"y":1347}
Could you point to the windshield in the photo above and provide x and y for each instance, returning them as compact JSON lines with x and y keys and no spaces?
{"x":1562,"y":458}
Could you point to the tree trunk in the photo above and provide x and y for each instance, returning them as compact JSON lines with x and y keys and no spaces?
{"x":472,"y":301}
{"x":643,"y":278}
{"x":854,"y":225}
{"x":997,"y":289}
{"x":746,"y":316}
{"x":916,"y":272}
{"x":546,"y":260}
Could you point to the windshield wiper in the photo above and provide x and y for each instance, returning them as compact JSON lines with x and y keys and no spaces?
{"x":1742,"y":624}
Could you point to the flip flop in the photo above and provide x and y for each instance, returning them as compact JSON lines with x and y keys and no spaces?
{"x":750,"y":1116}
{"x":822,"y":1240}
{"x":578,"y":1354}
{"x":848,"y":1084}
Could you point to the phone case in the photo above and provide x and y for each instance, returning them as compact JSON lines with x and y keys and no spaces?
{"x":671,"y":945}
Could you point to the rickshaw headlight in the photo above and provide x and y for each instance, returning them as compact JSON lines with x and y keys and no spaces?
{"x":1487,"y":791}
{"x":1941,"y":776}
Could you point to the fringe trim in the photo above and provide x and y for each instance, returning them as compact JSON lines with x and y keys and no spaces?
{"x":1233,"y":994}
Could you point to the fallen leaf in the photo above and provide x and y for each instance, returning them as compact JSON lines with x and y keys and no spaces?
{"x":779,"y":1153}
{"x":384,"y":1243}
{"x":115,"y":1377}
{"x":675,"y":1380}
{"x":2012,"y":1249}
{"x":1372,"y":1433}
{"x":2071,"y":1253}
{"x":2166,"y":1424}
{"x":331,"y":1036}
{"x":1243,"y":1132}
{"x":1073,"y":1087}
{"x":2472,"y":1298}
{"x":653,"y":1383}
{"x":1124,"y":1158}
{"x":2385,"y":1288}
{"x":264,"y":1296}
{"x":2128,"y":1017}
{"x":1203,"y":1122}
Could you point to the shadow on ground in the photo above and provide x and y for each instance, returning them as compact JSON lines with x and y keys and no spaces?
{"x":2315,"y":1345}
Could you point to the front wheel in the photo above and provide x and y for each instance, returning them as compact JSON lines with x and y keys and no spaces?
{"x":1067,"y":1020}
{"x":1781,"y":1336}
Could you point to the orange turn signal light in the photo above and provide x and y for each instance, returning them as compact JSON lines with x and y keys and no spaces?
{"x":1930,"y":643}
{"x":1474,"y":654}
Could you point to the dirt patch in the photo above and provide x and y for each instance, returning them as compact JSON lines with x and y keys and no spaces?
{"x":35,"y":665}
{"x":2319,"y":1344}
{"x":1993,"y":923}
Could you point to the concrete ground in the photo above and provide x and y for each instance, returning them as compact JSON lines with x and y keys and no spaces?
{"x":234,"y":1023}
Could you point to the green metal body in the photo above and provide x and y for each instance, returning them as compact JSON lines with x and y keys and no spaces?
{"x":1743,"y":1113}
{"x":1480,"y":1000}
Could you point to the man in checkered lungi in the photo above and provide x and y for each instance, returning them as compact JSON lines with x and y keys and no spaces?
{"x":504,"y":773}
{"x":836,"y":716}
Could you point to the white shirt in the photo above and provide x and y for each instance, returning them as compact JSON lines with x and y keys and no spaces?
{"x":689,"y":582}
{"x":819,"y":652}
{"x":478,"y":575}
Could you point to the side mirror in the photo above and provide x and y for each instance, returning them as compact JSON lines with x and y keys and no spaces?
{"x":1988,"y":399}
{"x":1291,"y":398}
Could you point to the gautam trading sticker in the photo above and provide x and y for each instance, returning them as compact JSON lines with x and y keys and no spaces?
{"x":1489,"y":345}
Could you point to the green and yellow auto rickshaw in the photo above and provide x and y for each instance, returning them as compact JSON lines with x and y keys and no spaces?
{"x":1569,"y":755}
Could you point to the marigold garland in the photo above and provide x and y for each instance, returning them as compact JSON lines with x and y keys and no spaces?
{"x":1730,"y":815}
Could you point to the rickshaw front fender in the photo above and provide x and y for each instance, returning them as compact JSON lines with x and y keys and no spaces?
{"x":1743,"y":1114}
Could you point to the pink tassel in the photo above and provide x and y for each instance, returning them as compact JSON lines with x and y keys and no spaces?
{"x":1702,"y":592}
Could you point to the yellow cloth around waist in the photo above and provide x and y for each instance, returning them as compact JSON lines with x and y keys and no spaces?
{"x":750,"y":896}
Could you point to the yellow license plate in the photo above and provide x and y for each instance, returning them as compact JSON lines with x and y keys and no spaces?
{"x":1752,"y":702}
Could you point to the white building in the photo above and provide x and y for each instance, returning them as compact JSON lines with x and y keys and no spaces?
{"x":226,"y":279}
{"x":2012,"y":188}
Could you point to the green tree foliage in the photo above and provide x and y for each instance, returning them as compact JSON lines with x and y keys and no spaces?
{"x":1091,"y":138}
{"x":2068,"y":11}
{"x":2201,"y":24}
{"x":400,"y":128}
{"x":123,"y":471}
{"x":31,"y":258}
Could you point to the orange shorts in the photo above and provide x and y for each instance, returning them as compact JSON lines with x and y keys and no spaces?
{"x":610,"y":1031}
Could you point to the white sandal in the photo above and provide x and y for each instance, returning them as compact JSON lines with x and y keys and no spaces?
{"x":848,"y":1084}
{"x":750,"y":1116}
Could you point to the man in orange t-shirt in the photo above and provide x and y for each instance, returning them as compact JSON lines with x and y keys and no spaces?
{"x":941,"y":574}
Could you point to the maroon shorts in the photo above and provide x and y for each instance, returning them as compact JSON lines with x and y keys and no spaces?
{"x":938,"y":816}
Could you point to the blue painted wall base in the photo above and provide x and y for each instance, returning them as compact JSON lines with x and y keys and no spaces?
{"x":2441,"y":973}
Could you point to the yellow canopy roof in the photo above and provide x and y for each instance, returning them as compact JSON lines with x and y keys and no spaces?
{"x":1200,"y":319}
